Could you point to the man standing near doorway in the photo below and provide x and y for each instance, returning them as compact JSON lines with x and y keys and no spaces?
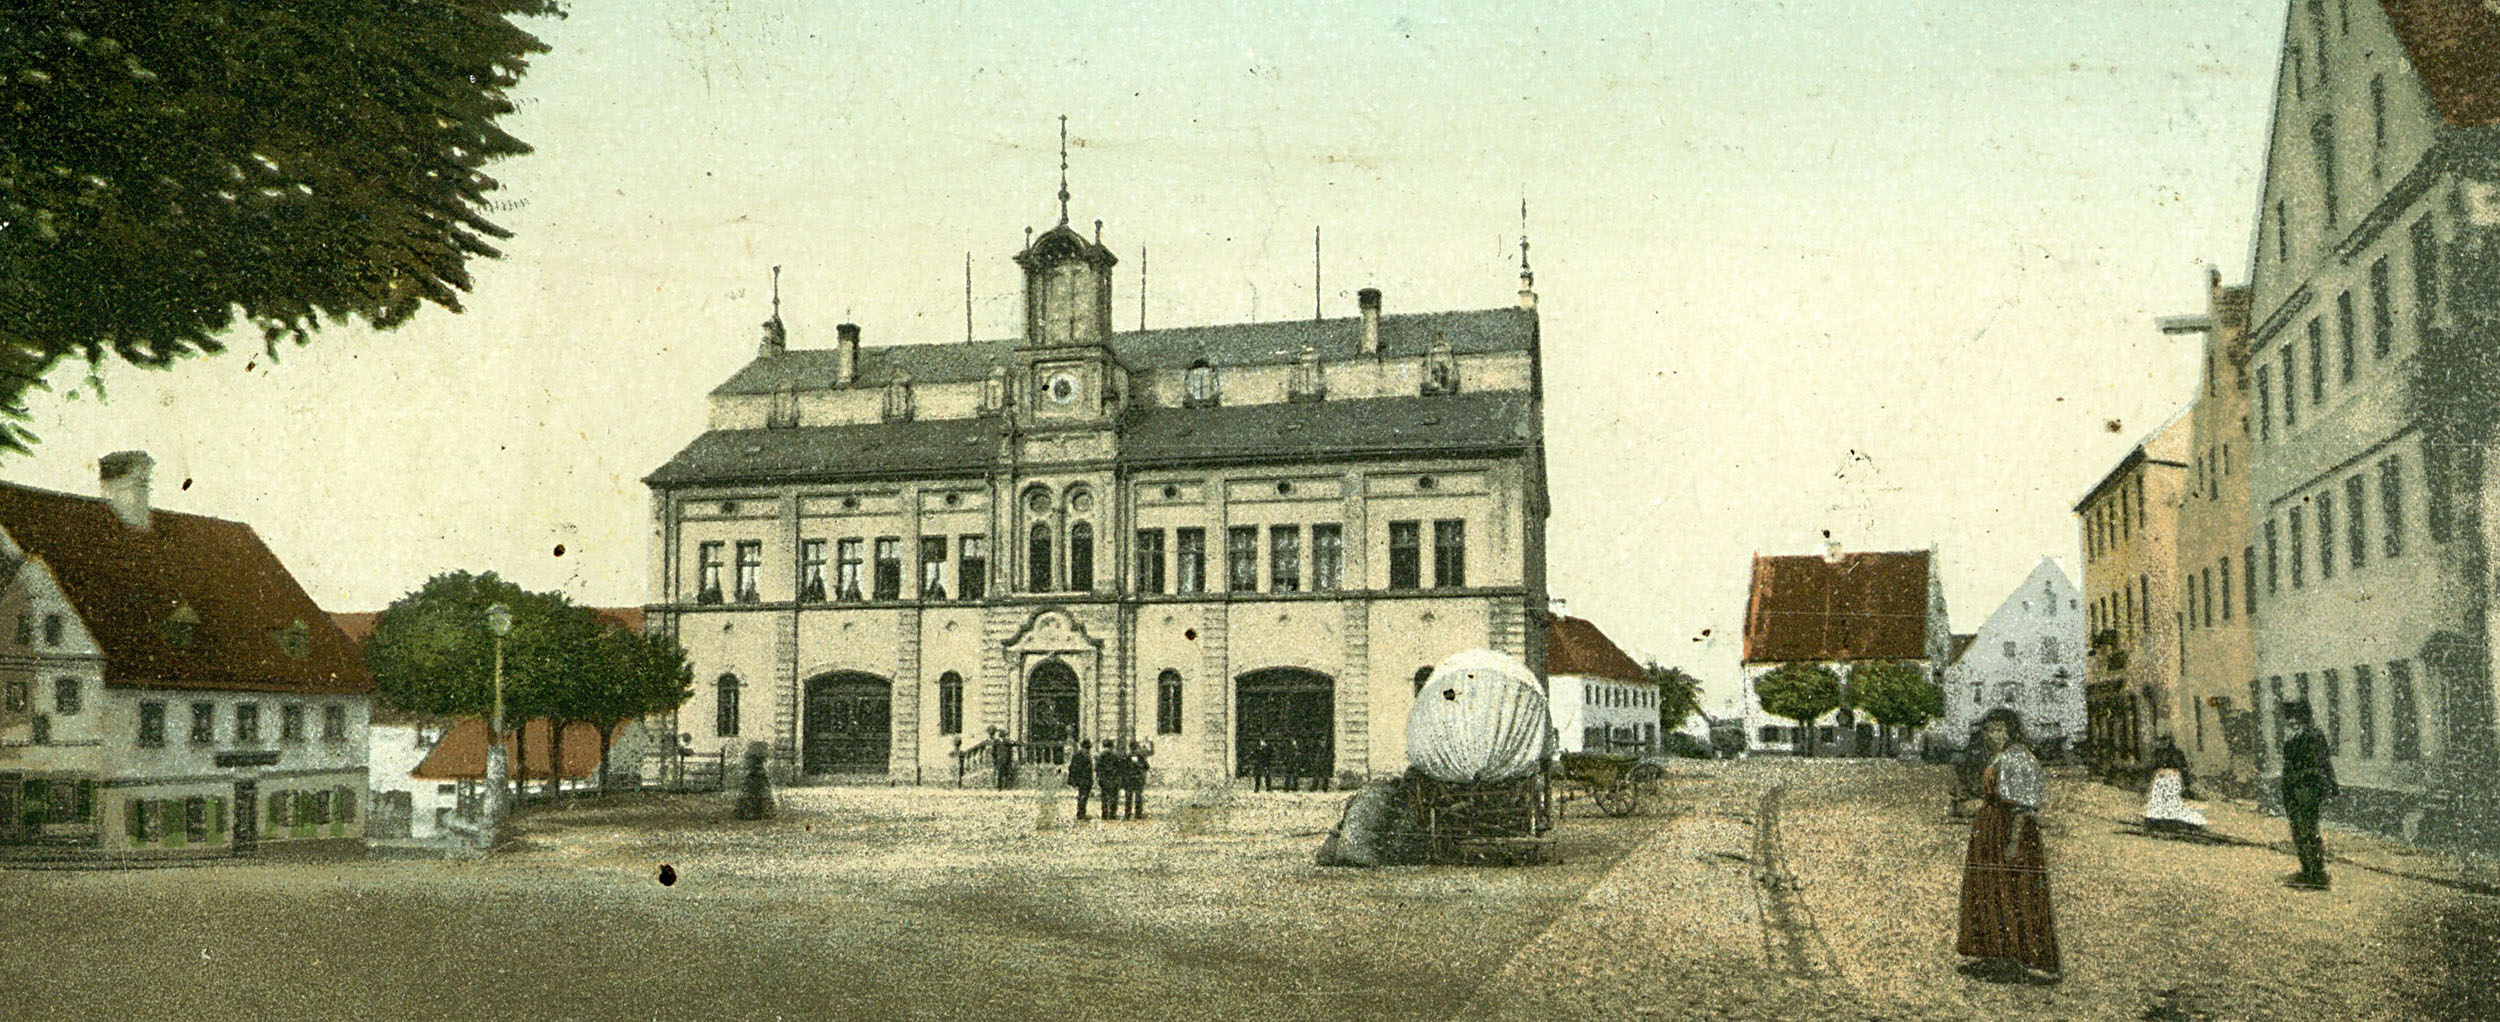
{"x":1081,"y":774}
{"x":1262,"y":760}
{"x":1111,"y":775}
{"x":1138,"y":754}
{"x":2308,"y":781}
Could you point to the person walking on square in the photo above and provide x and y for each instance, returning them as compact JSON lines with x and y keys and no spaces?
{"x":1319,"y":765}
{"x":2006,"y":916}
{"x":1138,"y":754}
{"x":2308,"y":781}
{"x":1111,"y":776}
{"x":1262,"y":759}
{"x":2165,"y":798}
{"x":1081,"y":774}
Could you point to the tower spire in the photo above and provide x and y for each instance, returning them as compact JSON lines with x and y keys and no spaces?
{"x":1063,"y":170}
{"x":1527,"y":277}
{"x":776,"y":337}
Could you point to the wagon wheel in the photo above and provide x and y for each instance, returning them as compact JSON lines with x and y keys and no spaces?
{"x":1621,"y":799}
{"x":1648,"y":773}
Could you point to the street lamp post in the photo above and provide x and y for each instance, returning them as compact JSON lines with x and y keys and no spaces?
{"x":498,"y":764}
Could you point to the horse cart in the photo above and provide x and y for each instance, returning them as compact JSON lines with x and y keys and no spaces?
{"x":1618,"y":784}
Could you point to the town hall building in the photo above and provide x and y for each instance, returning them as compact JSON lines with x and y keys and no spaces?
{"x":1200,"y":537}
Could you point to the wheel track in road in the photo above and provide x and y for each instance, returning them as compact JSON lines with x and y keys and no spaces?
{"x":1792,"y":941}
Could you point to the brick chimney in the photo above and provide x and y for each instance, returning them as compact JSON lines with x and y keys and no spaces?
{"x":846,"y":354}
{"x":124,"y":478}
{"x":1369,"y":299}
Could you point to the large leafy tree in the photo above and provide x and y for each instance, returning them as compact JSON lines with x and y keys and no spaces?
{"x":1800,"y":692}
{"x":1679,"y":695}
{"x":171,"y":167}
{"x":1897,"y":695}
{"x":431,"y":653}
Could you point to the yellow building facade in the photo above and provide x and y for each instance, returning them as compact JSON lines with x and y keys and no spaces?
{"x":1198,"y":537}
{"x":2130,"y":524}
{"x":2214,"y":606}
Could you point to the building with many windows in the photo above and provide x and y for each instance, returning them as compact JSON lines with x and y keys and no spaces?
{"x":1198,"y":536}
{"x":2215,"y":605}
{"x":1600,"y":698}
{"x":2371,"y":292}
{"x":2130,"y":526}
{"x":169,"y":688}
{"x":2028,"y":656}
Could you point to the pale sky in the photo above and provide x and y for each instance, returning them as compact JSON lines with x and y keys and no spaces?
{"x":1802,"y":266}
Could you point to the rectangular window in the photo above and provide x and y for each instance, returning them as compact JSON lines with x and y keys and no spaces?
{"x":2391,"y":507}
{"x":2299,"y":545}
{"x":1150,"y":560}
{"x":2012,"y":650}
{"x":2322,"y":142}
{"x":2274,"y":562}
{"x":725,"y":706}
{"x":1037,"y":578}
{"x":2265,"y":403}
{"x":1406,"y":555}
{"x":1241,"y":559}
{"x":2205,"y":581}
{"x":950,"y":704}
{"x":203,"y":723}
{"x":151,"y":724}
{"x":247,"y":723}
{"x":1327,"y":557}
{"x":2357,"y":521}
{"x":1449,"y":553}
{"x":2382,"y":315}
{"x":1189,"y":560}
{"x":334,"y":723}
{"x":2345,"y":341}
{"x":2426,"y":291}
{"x":846,"y":570}
{"x":2225,"y":576}
{"x":707,"y":573}
{"x":1284,"y":558}
{"x":291,"y":723}
{"x":2325,"y":502}
{"x":2334,"y":683}
{"x":1081,"y":557}
{"x":67,"y":696}
{"x":889,"y":568}
{"x":750,"y":570}
{"x":2048,"y":649}
{"x":812,"y":571}
{"x":2291,"y":385}
{"x":2283,"y":219}
{"x":2404,"y":725}
{"x":972,"y":566}
{"x":2378,"y":123}
{"x":933,"y":567}
{"x":2317,"y":363}
{"x":1168,"y":703}
{"x":2364,"y":711}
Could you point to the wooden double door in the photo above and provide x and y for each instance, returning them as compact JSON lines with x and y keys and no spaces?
{"x":848,"y":726}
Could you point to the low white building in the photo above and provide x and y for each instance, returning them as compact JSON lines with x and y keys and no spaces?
{"x":400,"y":800}
{"x":1601,"y":699}
{"x":2029,"y":656}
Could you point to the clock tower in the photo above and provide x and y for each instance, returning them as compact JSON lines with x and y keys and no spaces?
{"x":1067,"y":319}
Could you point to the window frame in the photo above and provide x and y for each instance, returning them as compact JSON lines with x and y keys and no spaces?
{"x":1406,"y":554}
{"x":1449,"y":553}
{"x":1241,"y":559}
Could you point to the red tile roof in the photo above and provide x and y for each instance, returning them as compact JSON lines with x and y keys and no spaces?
{"x":1575,"y":647}
{"x":2455,"y":46}
{"x":125,"y":583}
{"x":461,"y":753}
{"x":1863,"y":606}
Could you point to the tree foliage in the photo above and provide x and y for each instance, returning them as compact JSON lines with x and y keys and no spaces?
{"x":1895,"y":694}
{"x":1679,"y":695}
{"x":168,"y":167}
{"x":1799,"y":692}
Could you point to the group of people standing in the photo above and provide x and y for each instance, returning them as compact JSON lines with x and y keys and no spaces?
{"x":1289,"y":764}
{"x":1118,"y":773}
{"x":2007,"y":921}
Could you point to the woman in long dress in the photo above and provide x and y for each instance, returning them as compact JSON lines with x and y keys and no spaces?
{"x":2005,"y":880}
{"x":2166,"y":809}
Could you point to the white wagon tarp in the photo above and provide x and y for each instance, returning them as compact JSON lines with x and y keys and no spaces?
{"x":1480,"y":718}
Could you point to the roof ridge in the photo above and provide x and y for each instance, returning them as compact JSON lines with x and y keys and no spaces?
{"x":153,"y":510}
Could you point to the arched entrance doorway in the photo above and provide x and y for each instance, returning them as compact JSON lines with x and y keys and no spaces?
{"x":1050,"y":708}
{"x":848,"y":724}
{"x":1283,"y":705}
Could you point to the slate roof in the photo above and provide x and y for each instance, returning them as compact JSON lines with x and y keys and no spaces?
{"x":1233,"y":344}
{"x":2455,"y":47}
{"x":461,"y":753}
{"x":1863,"y":606}
{"x":124,"y":583}
{"x":1441,"y":424}
{"x":1575,"y":647}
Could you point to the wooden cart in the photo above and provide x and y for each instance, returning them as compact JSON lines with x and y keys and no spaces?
{"x":1503,"y":823}
{"x":1618,"y":784}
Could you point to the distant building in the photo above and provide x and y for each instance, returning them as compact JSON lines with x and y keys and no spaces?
{"x":2130,"y":526}
{"x":1200,"y":536}
{"x":2375,"y":279}
{"x":2216,"y":601}
{"x":169,"y":687}
{"x":1602,"y":700}
{"x":2029,"y":656}
{"x":1840,"y":610}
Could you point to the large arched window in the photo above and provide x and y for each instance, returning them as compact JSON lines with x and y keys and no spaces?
{"x":1081,"y":556}
{"x":725,"y":706}
{"x":1037,"y":558}
{"x":1168,"y":702}
{"x":950,"y":703}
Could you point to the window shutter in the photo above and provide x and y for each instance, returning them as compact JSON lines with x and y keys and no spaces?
{"x":134,"y":820}
{"x":217,"y":817}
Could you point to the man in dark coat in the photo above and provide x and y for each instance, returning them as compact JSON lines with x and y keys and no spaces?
{"x":1288,"y":766}
{"x":1262,"y":760}
{"x":1111,"y":775}
{"x":1138,"y":754}
{"x":1081,"y":774}
{"x":1318,"y":765}
{"x":2308,"y":781}
{"x":1002,"y":759}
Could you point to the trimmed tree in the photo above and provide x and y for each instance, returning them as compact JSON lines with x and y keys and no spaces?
{"x":171,"y":170}
{"x":1799,"y":692}
{"x":1896,"y":695}
{"x":1679,"y":696}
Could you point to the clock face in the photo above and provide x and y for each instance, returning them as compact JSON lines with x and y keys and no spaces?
{"x":1061,"y":387}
